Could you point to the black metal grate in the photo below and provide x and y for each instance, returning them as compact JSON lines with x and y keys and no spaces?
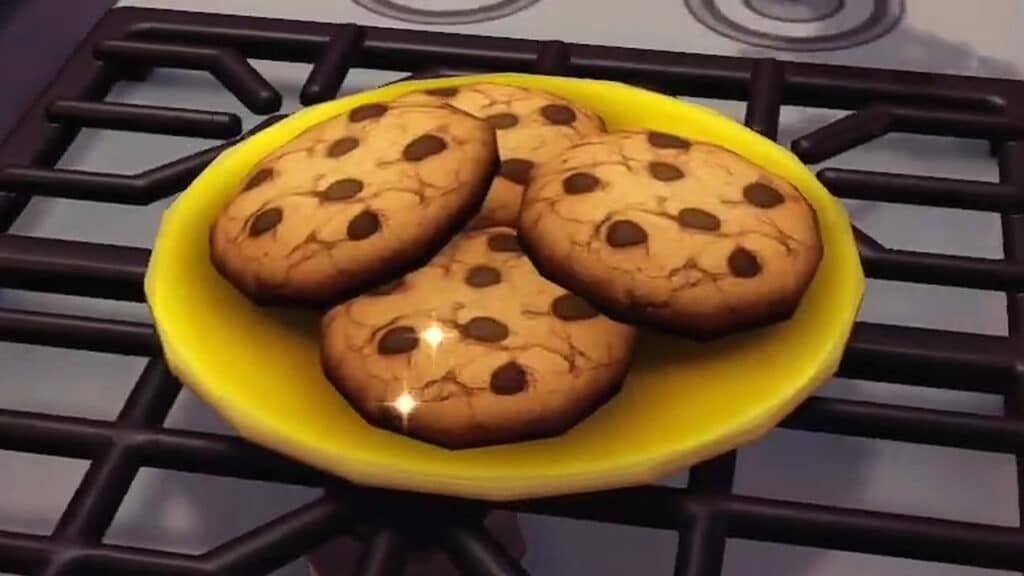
{"x":128,"y":42}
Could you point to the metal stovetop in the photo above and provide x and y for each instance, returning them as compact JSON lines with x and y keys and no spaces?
{"x":955,"y":464}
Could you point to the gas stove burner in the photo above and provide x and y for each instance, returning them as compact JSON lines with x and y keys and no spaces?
{"x":799,"y":25}
{"x":796,"y":10}
{"x":446,"y":11}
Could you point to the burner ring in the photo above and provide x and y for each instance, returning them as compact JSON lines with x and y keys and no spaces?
{"x":398,"y":11}
{"x":796,"y":10}
{"x":884,"y":16}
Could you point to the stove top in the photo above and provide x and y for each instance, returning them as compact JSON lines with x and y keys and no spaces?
{"x":954,"y":37}
{"x":906,"y":464}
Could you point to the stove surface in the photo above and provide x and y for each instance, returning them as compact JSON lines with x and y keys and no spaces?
{"x":183,"y":512}
{"x":928,"y":35}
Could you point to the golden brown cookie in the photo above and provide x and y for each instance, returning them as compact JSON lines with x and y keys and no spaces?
{"x":475,"y":348}
{"x":532,"y":127}
{"x":353,"y":202}
{"x":688,"y":237}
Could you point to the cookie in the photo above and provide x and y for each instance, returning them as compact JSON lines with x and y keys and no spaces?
{"x":684,"y":236}
{"x":532,"y":125}
{"x":474,"y":349}
{"x":353,"y":202}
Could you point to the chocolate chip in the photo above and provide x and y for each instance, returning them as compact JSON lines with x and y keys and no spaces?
{"x":367,"y":111}
{"x":665,"y":172}
{"x":698,"y":219}
{"x":502,"y":121}
{"x":265,"y":221}
{"x":342,"y":146}
{"x":344,"y":189}
{"x":516,"y":170}
{"x":445,"y":92}
{"x":762,"y":195}
{"x":482,"y":276}
{"x":508,"y":379}
{"x":485,"y":329}
{"x":364,"y":225}
{"x":743,"y":263}
{"x":398,"y":340}
{"x":624,"y":233}
{"x":570,"y":307}
{"x":504,"y":242}
{"x":558,"y":114}
{"x":580,"y":183}
{"x":387,"y":288}
{"x":423,"y":147}
{"x":261,"y":176}
{"x":662,"y":140}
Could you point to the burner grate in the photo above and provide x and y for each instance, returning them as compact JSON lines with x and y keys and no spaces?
{"x":127,"y":43}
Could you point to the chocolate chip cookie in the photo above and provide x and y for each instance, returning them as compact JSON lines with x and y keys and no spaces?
{"x":532,"y":126}
{"x":354,"y":202}
{"x":475,"y":348}
{"x":685,"y":236}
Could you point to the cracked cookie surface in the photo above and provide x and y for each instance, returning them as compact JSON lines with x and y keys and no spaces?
{"x":532,"y":127}
{"x":475,"y":348}
{"x":685,"y":236}
{"x":353,"y":202}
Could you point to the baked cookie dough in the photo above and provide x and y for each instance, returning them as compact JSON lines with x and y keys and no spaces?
{"x":353,"y":202}
{"x":684,"y":236}
{"x":532,"y":126}
{"x":474,"y":349}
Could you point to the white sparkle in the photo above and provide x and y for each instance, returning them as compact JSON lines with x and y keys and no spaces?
{"x":405,"y":404}
{"x":433,"y":335}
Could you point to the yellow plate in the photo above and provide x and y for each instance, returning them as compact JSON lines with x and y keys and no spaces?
{"x":682,"y":403}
